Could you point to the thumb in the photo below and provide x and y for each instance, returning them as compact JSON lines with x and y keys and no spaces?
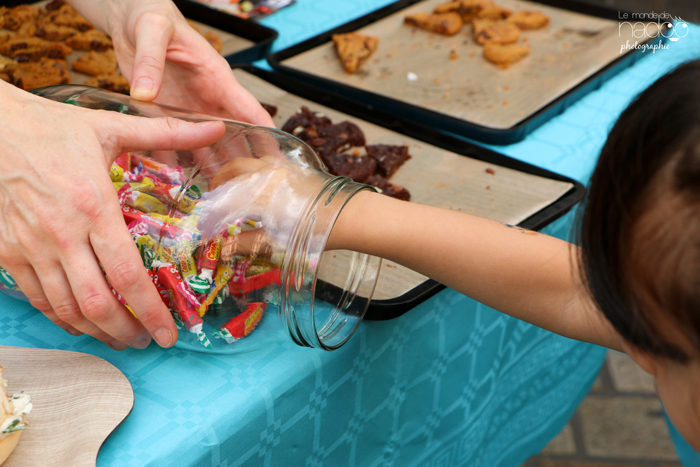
{"x":152,"y":34}
{"x":123,"y":133}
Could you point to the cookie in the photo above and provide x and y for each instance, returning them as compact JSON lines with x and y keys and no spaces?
{"x":358,"y":168}
{"x":305,"y":118}
{"x":215,"y":41}
{"x":111,"y":82}
{"x":354,"y":49}
{"x":90,"y":40}
{"x":96,"y":63}
{"x":493,"y":12}
{"x":27,"y":29}
{"x":55,"y":5}
{"x":46,"y":72}
{"x":505,"y":55}
{"x":4,"y":61}
{"x":467,"y":9}
{"x":442,"y":23}
{"x":389,"y":157}
{"x":526,"y":19}
{"x":27,"y":49}
{"x":389,"y":189}
{"x":17,"y":16}
{"x":5,"y":36}
{"x":486,"y":31}
{"x":66,"y":15}
{"x":2,"y":16}
{"x":51,"y":32}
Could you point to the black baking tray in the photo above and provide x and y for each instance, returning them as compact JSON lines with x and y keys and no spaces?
{"x":392,"y":308}
{"x":448,"y":123}
{"x":261,"y":36}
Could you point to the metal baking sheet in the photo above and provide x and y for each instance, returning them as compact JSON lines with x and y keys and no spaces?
{"x":434,"y":176}
{"x":573,"y":48}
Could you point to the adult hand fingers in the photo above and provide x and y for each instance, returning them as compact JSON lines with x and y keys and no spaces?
{"x":242,"y":106}
{"x":123,"y":133}
{"x":116,"y":250}
{"x":60,"y":295}
{"x":28,"y":282}
{"x":152,"y":34}
{"x":97,"y":302}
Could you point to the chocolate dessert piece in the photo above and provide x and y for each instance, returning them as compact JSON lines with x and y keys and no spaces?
{"x":505,"y":55}
{"x":527,"y":19}
{"x":330,"y":139}
{"x":389,"y":189}
{"x":111,"y":82}
{"x":271,"y":109}
{"x":305,"y":118}
{"x":34,"y":49}
{"x":17,"y":16}
{"x":354,"y":49}
{"x":442,"y":23}
{"x":90,"y":40}
{"x":55,"y":5}
{"x":358,"y":168}
{"x":389,"y":158}
{"x":96,"y":63}
{"x":486,"y":31}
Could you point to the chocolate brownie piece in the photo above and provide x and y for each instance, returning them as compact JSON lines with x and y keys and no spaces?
{"x":442,"y":23}
{"x":271,"y":109}
{"x":90,"y":40}
{"x":330,"y":139}
{"x":96,"y":63}
{"x":389,"y":189}
{"x":354,"y":49}
{"x":305,"y":118}
{"x":17,"y":16}
{"x":111,"y":82}
{"x":389,"y":158}
{"x":358,"y":168}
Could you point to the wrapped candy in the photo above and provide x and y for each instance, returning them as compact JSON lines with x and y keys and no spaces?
{"x":242,"y":325}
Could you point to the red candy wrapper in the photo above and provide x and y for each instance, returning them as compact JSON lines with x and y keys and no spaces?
{"x":256,"y":282}
{"x":242,"y":325}
{"x":170,"y":278}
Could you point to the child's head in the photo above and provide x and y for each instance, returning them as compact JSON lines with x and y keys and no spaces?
{"x":640,"y":238}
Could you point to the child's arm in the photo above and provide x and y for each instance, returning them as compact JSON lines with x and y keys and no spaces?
{"x":527,"y":275}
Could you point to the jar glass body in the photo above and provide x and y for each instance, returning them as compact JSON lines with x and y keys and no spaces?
{"x":234,"y":234}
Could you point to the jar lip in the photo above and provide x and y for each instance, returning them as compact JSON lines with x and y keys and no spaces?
{"x":347,"y":308}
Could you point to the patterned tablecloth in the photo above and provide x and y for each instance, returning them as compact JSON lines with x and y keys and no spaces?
{"x":450,"y":383}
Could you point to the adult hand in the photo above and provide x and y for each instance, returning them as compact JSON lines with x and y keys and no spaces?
{"x":60,"y":214}
{"x":166,"y":60}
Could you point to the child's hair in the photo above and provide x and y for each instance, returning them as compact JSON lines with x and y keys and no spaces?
{"x":640,"y":228}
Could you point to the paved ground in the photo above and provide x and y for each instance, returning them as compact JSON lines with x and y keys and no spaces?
{"x":619,"y":424}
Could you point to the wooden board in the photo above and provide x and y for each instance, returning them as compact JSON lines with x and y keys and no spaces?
{"x":434,"y":176}
{"x":79,"y":400}
{"x":572,"y":48}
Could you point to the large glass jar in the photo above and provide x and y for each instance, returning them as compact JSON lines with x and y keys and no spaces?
{"x":234,"y":234}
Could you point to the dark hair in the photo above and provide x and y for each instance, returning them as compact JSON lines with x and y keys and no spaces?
{"x":640,"y":226}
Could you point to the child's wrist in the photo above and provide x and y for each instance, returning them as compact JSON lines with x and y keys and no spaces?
{"x":344,"y":233}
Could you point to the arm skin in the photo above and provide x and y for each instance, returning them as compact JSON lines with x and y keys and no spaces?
{"x":527,"y":275}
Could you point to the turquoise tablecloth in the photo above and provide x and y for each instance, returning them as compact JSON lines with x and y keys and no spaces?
{"x":450,"y":383}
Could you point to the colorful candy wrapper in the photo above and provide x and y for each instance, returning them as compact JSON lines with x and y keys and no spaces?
{"x":146,"y":202}
{"x":124,"y":194}
{"x":223,"y":275}
{"x":198,"y":284}
{"x":121,"y":299}
{"x":239,"y":268}
{"x":116,"y":173}
{"x":243,"y":324}
{"x":164,"y":293}
{"x":187,"y":265}
{"x":124,"y":162}
{"x":256,"y":282}
{"x":209,"y":258}
{"x":7,"y":280}
{"x":174,"y":176}
{"x":138,"y":228}
{"x":170,"y":278}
